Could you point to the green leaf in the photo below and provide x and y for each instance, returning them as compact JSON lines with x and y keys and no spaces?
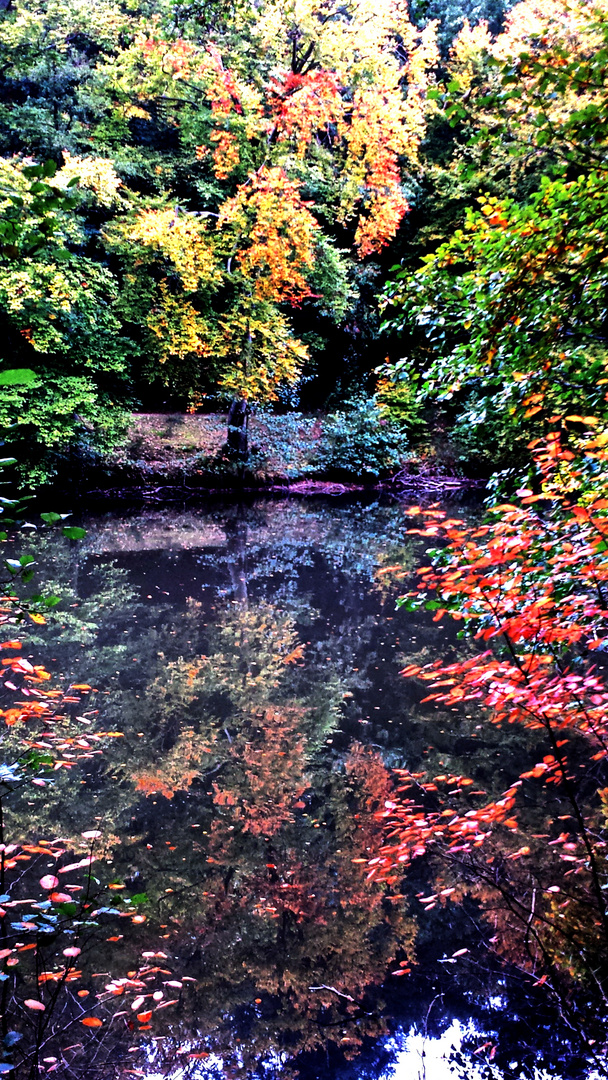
{"x":74,"y":532}
{"x":51,"y":517}
{"x":67,"y":909}
{"x":18,"y":377}
{"x":140,"y":898}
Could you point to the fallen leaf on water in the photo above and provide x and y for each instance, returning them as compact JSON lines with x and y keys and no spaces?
{"x":49,"y":882}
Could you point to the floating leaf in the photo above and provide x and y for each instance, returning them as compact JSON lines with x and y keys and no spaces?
{"x":49,"y":882}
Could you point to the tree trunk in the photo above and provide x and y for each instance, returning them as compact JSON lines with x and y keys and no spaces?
{"x":236,"y":549}
{"x":236,"y":442}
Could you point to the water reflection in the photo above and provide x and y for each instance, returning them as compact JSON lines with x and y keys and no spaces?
{"x":250,"y":656}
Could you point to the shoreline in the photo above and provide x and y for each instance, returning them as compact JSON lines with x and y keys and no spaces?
{"x":176,"y":456}
{"x":169,"y":491}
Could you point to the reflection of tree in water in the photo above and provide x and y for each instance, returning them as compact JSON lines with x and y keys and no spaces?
{"x":277,"y":897}
{"x":242,"y":768}
{"x":270,"y":898}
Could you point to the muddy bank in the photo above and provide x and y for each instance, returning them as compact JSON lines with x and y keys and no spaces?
{"x":172,"y":456}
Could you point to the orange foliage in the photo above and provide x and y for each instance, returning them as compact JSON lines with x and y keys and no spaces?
{"x":306,"y":106}
{"x":270,"y":757}
{"x":375,"y":139}
{"x":533,"y":589}
{"x":276,"y":234}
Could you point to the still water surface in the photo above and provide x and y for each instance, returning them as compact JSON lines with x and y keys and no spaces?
{"x":250,"y":654}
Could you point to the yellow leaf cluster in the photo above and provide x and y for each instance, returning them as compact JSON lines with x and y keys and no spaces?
{"x":532,"y":25}
{"x":181,"y":239}
{"x":94,"y":174}
{"x":468,"y":46}
{"x":178,"y":326}
{"x":266,"y":354}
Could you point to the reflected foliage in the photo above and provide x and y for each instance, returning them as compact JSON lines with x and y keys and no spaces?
{"x":250,"y":656}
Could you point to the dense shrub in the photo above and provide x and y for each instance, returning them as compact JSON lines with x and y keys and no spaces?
{"x":360,"y":442}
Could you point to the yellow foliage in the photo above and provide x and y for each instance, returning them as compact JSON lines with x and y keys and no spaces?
{"x":183,"y":240}
{"x":375,"y":138}
{"x":179,"y":327}
{"x":265,"y":354}
{"x":226,"y":155}
{"x":533,"y":25}
{"x":355,"y":96}
{"x":93,"y":174}
{"x":469,"y":45}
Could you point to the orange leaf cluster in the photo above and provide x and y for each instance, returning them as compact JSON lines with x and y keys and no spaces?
{"x":535,"y":588}
{"x":277,"y":233}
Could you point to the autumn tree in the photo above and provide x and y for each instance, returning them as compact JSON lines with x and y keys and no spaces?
{"x":506,"y":316}
{"x":528,"y":584}
{"x":290,"y":164}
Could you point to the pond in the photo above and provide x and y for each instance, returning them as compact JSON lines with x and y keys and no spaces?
{"x":249,"y":657}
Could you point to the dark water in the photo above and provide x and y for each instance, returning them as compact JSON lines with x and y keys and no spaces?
{"x":250,"y":656}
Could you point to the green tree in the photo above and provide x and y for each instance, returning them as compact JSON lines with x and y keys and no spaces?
{"x":56,"y":318}
{"x":507,"y":317}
